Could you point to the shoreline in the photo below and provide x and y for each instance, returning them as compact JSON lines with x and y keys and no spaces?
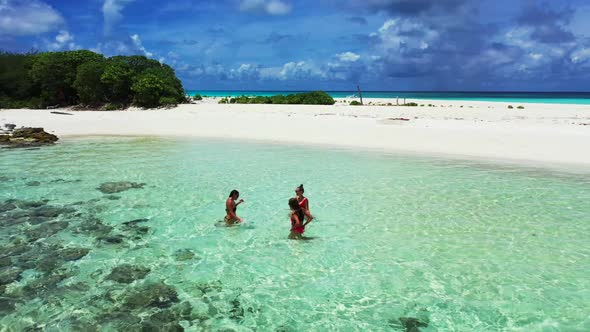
{"x":541,"y":135}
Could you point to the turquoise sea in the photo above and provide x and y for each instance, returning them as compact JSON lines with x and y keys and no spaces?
{"x":582,"y":98}
{"x":400,"y":243}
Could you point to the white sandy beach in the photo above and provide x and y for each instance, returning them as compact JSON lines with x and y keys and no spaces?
{"x":538,"y":135}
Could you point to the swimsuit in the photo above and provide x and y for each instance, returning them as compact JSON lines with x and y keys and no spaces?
{"x":303,"y":203}
{"x":298,"y":229}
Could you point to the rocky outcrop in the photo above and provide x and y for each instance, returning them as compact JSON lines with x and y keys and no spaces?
{"x":27,"y":137}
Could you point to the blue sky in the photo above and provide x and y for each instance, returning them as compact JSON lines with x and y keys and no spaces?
{"x":456,"y":45}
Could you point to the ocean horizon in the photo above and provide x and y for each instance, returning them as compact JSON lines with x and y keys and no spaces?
{"x":572,"y":98}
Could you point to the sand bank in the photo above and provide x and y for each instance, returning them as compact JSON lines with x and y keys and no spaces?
{"x":539,"y":134}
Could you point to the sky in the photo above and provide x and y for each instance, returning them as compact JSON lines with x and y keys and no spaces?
{"x":381,"y":45}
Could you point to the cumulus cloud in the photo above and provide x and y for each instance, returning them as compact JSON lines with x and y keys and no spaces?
{"x":348,"y":57}
{"x":63,"y":41}
{"x":111,"y":10}
{"x":139,"y":46}
{"x":22,"y":18}
{"x":269,"y":7}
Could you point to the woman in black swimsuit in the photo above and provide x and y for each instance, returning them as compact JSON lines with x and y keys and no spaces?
{"x":231,"y":218}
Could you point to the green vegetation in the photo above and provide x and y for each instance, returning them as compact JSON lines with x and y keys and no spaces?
{"x":410,"y":104}
{"x":355,"y":103}
{"x":197,"y":97}
{"x":520,"y":107}
{"x":309,"y":98}
{"x":38,"y":80}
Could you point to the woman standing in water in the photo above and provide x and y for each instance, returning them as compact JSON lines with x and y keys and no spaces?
{"x":301,"y":200}
{"x":231,"y":218}
{"x":297,"y":220}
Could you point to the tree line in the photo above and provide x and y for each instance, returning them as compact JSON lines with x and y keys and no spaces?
{"x":39,"y":80}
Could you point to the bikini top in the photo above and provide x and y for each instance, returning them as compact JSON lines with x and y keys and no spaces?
{"x":302,"y":203}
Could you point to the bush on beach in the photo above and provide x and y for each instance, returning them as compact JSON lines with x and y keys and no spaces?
{"x":307,"y":98}
{"x":38,"y":80}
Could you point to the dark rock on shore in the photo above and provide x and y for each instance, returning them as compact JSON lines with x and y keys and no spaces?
{"x":157,"y":295}
{"x":28,"y":137}
{"x":37,"y":134}
{"x":115,"y":187}
{"x":127,"y":273}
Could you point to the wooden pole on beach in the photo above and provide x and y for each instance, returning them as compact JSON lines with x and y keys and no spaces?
{"x":358,"y":87}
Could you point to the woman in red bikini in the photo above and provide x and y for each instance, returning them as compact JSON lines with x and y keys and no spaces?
{"x":297,"y":220}
{"x":302,"y":200}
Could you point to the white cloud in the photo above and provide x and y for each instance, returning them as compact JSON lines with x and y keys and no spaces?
{"x":348,"y":57}
{"x":270,"y":7}
{"x":22,"y":18}
{"x":580,"y":55}
{"x":405,"y":35}
{"x":63,"y":41}
{"x":139,"y":46}
{"x":246,"y":71}
{"x":111,"y":10}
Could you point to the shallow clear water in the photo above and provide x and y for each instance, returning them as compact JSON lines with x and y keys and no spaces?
{"x":459,"y":246}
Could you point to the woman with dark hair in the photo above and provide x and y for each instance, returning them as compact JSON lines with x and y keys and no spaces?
{"x":231,"y":218}
{"x":297,"y":220}
{"x":301,"y":200}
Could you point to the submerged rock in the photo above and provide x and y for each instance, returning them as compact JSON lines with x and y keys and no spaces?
{"x":33,"y":183}
{"x":95,"y":226}
{"x":7,"y":206}
{"x":113,"y":197}
{"x":115,"y":187}
{"x":5,"y":261}
{"x":157,"y":295}
{"x":184,"y":255}
{"x":412,"y":324}
{"x":72,"y":254}
{"x":112,"y":239}
{"x":48,"y":264}
{"x":29,"y":204}
{"x":7,"y":305}
{"x":45,"y":283}
{"x":46,"y":230}
{"x":9,"y":275}
{"x":134,"y":223}
{"x":127,"y":273}
{"x":49,"y":211}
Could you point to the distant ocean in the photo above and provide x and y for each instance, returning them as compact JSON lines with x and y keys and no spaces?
{"x":582,"y":98}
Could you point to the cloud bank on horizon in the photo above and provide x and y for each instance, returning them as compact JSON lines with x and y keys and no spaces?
{"x":325,"y":44}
